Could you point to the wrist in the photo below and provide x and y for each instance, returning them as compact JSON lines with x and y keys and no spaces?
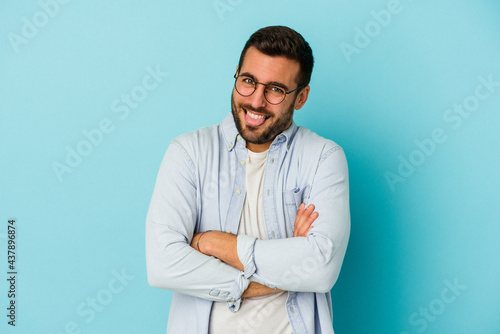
{"x":201,"y":245}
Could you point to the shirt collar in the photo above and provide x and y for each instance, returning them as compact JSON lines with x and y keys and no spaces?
{"x":230,"y":133}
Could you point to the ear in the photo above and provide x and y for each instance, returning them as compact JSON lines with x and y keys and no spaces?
{"x":302,"y":97}
{"x":237,"y":67}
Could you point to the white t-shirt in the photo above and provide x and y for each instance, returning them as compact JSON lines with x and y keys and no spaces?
{"x":262,"y":314}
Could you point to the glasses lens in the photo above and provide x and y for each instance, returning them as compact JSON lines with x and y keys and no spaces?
{"x":275,"y":94}
{"x":245,"y":85}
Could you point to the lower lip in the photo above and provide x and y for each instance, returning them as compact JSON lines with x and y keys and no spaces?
{"x":252,"y":121}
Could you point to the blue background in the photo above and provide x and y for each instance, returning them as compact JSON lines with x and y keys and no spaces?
{"x":75,"y":232}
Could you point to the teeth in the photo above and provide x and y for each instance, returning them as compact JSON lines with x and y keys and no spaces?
{"x":254,"y":116}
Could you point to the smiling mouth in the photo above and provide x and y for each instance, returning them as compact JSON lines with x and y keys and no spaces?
{"x":254,"y":119}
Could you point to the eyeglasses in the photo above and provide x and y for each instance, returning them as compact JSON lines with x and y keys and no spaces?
{"x":246,"y":86}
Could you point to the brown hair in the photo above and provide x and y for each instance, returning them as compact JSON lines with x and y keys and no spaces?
{"x":285,"y":42}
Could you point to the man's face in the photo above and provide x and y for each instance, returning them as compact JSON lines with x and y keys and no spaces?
{"x":258,"y":121}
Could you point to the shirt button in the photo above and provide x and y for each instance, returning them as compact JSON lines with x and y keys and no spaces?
{"x":288,"y":146}
{"x":242,"y":162}
{"x":268,"y":192}
{"x":274,"y":234}
{"x":228,"y":231}
{"x":230,"y":145}
{"x":238,"y":192}
{"x":238,"y":137}
{"x":272,"y":161}
{"x":292,"y":309}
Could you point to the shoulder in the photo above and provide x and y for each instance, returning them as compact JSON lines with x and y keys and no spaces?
{"x":198,"y":140}
{"x":201,"y":134}
{"x":306,"y":140}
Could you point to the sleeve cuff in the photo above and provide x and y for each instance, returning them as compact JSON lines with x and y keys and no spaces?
{"x":245,"y":249}
{"x":237,"y":289}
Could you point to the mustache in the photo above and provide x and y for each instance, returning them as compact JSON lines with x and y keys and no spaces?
{"x":262,"y":111}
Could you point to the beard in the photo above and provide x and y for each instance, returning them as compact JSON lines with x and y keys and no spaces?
{"x":271,"y":128}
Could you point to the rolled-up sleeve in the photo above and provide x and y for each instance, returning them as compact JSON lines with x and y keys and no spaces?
{"x":245,"y":250}
{"x":312,"y":263}
{"x":172,"y":263}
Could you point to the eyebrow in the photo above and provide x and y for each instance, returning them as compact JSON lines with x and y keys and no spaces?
{"x":274,"y":83}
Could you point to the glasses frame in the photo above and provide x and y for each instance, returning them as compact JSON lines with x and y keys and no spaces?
{"x":236,"y":76}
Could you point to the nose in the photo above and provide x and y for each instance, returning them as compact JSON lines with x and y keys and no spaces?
{"x":258,"y":99}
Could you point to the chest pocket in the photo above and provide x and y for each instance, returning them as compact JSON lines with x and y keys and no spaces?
{"x":293,"y":198}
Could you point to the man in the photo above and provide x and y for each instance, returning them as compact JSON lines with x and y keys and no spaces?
{"x":232,"y":228}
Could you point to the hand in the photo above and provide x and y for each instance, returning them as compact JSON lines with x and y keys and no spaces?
{"x":304,"y":220}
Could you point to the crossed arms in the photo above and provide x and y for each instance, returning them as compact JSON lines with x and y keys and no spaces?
{"x":236,"y":261}
{"x":224,"y":247}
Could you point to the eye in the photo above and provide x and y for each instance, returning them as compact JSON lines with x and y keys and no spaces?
{"x":276,"y":90}
{"x":248,"y":81}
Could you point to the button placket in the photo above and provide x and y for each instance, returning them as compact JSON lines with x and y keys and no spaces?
{"x":268,"y":200}
{"x":236,"y":201}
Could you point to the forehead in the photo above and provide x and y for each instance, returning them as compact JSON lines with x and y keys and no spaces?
{"x":268,"y":69}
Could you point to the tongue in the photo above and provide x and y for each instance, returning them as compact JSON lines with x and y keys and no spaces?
{"x":254,"y":122}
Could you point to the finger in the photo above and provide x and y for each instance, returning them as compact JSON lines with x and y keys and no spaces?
{"x":300,"y":212}
{"x":303,"y":213}
{"x":307,"y":219}
{"x":306,"y":231}
{"x":303,"y":220}
{"x":303,"y":225}
{"x":310,"y":209}
{"x":312,"y":217}
{"x":301,"y":209}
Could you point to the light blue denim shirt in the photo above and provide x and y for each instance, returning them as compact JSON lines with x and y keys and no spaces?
{"x":201,"y":186}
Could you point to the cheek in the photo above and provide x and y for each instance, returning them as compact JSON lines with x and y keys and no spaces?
{"x":237,"y":101}
{"x":282,"y":113}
